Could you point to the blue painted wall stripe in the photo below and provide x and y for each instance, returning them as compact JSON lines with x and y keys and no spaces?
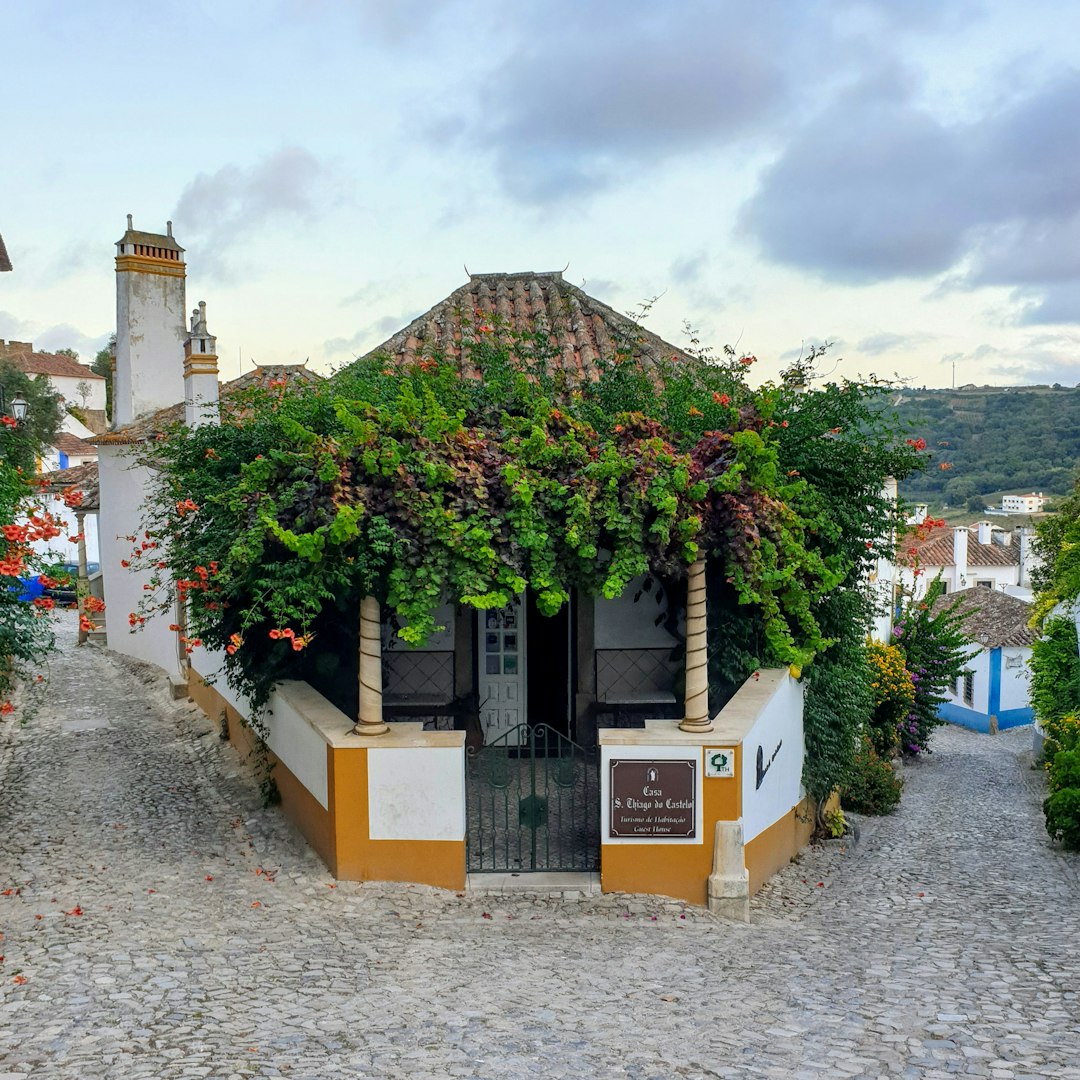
{"x":995,"y":682}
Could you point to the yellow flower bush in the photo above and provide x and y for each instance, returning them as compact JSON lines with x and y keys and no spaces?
{"x":894,"y":694}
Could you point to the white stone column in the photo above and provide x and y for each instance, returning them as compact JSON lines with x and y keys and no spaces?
{"x":370,"y":719}
{"x":696,"y":714}
{"x":83,"y":587}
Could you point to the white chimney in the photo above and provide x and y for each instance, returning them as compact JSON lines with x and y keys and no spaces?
{"x":985,"y":531}
{"x":1026,"y":536}
{"x":960,"y":555}
{"x":150,"y":306}
{"x":922,"y":512}
{"x":1006,"y":538}
{"x":200,"y":372}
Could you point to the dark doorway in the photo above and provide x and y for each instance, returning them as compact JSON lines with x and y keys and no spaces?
{"x":548,"y":649}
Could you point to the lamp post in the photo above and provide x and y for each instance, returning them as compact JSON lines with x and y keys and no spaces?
{"x":18,"y":406}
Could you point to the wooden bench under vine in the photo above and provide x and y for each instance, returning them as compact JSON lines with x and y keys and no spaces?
{"x":475,"y":480}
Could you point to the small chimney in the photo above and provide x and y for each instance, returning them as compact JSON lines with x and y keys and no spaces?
{"x":1025,"y":535}
{"x":1006,"y":538}
{"x":985,"y":531}
{"x":922,"y":512}
{"x":960,"y":556}
{"x":200,"y":372}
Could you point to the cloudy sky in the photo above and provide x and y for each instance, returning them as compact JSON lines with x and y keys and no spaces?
{"x":899,"y":177}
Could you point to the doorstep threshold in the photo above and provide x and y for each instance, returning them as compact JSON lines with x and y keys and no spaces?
{"x":552,"y":883}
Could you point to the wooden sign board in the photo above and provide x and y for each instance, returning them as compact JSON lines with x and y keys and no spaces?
{"x":653,"y":799}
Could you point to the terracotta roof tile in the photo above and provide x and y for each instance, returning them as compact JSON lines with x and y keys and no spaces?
{"x":70,"y":444}
{"x":993,"y":618}
{"x":937,"y":550}
{"x":83,"y":477}
{"x":39,"y":363}
{"x":147,"y":427}
{"x":580,"y":329}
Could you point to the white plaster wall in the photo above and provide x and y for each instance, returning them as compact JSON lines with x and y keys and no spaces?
{"x":978,"y":662}
{"x":151,"y":324}
{"x":68,"y":387}
{"x":61,"y":548}
{"x":397,"y":774}
{"x":1015,"y":681}
{"x":286,"y":721}
{"x":622,"y":624}
{"x":779,"y":725}
{"x":649,"y":753}
{"x":1000,"y":575}
{"x":78,"y":429}
{"x":124,"y":489}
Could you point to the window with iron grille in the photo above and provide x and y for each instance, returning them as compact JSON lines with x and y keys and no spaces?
{"x":969,"y":687}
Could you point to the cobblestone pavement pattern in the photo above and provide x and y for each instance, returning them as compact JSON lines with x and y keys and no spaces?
{"x":212,"y":944}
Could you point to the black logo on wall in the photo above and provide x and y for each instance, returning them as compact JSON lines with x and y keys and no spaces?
{"x":762,"y":766}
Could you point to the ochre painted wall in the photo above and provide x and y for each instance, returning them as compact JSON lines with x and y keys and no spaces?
{"x":340,"y":834}
{"x":678,"y":870}
{"x":776,"y":846}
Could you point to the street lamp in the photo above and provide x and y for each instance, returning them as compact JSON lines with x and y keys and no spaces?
{"x":19,"y":406}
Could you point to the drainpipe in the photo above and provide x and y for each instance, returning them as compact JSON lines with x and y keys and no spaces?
{"x":696,"y":718}
{"x":370,"y":718}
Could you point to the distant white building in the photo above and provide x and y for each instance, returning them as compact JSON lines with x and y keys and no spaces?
{"x":1022,"y":504}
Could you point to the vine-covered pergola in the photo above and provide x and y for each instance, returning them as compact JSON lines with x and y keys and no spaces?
{"x":476,"y":472}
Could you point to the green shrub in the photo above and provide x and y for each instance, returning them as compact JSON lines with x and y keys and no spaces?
{"x":874,"y":788}
{"x":1065,"y":770}
{"x":1062,"y":811}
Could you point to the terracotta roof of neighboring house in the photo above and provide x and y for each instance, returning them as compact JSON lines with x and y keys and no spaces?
{"x":5,"y":262}
{"x":72,"y":445}
{"x":40,"y":363}
{"x":580,"y":328}
{"x":937,"y":550}
{"x":993,"y":618}
{"x":147,"y":427}
{"x":83,"y":477}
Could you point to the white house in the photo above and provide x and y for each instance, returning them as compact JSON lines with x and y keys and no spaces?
{"x":966,"y":556}
{"x":994,"y":691}
{"x":80,"y":387}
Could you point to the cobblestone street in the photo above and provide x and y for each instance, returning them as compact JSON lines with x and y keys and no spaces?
{"x":158,"y":923}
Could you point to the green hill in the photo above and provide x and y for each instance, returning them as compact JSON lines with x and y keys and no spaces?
{"x":993,"y":439}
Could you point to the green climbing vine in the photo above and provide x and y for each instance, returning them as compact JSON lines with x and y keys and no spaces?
{"x":428,"y":482}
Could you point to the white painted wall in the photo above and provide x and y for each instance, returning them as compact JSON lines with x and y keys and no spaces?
{"x":778,"y":725}
{"x":999,"y":575}
{"x":124,"y":489}
{"x":622,"y":624}
{"x":286,"y":721}
{"x":151,"y":326}
{"x":68,"y":387}
{"x":1015,"y":678}
{"x":397,"y":774}
{"x":61,"y":548}
{"x":978,"y":661}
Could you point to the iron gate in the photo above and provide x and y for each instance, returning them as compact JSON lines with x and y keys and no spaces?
{"x":533,"y":803}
